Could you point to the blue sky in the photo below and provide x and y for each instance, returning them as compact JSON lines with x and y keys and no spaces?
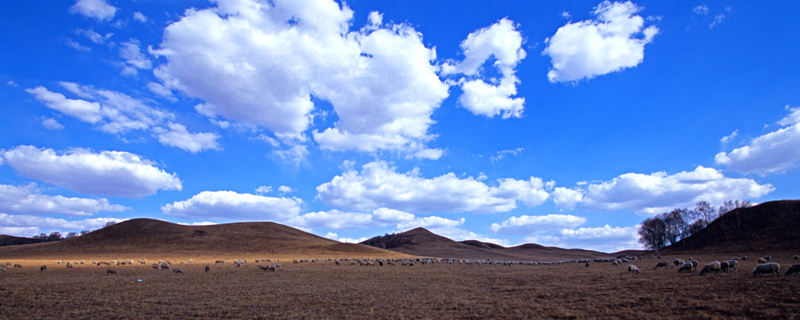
{"x":562,"y":124}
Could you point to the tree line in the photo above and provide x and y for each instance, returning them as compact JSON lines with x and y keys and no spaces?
{"x":670,"y":227}
{"x":53,"y":236}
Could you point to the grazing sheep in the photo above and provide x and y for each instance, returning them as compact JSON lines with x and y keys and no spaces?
{"x":768,"y":258}
{"x":723,"y":266}
{"x":771,"y":267}
{"x":694,"y":263}
{"x":42,"y":268}
{"x":678,"y":262}
{"x":587,"y":264}
{"x":660,"y":264}
{"x":262,"y":267}
{"x":69,"y":265}
{"x":713,"y":266}
{"x":686,"y":266}
{"x":156,"y":266}
{"x":3,"y":269}
{"x":111,"y":271}
{"x":744,"y":258}
{"x":165,"y":266}
{"x":762,"y":260}
{"x":734,"y":264}
{"x":16,"y":265}
{"x":208,"y":268}
{"x":796,"y":257}
{"x":632,"y":268}
{"x":795,"y":268}
{"x":177,"y":270}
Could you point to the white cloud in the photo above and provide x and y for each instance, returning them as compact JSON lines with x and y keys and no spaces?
{"x":115,"y":112}
{"x":603,"y":239}
{"x":263,"y":189}
{"x":285,"y":189}
{"x":502,"y":154}
{"x":138,"y":16}
{"x":503,"y":42}
{"x":77,"y":46}
{"x":536,"y":224}
{"x":459,"y":234}
{"x":773,"y":152}
{"x":432,"y":222}
{"x":567,"y":198}
{"x":159,"y":89}
{"x":701,"y":9}
{"x":26,"y":226}
{"x":660,"y":192}
{"x":717,"y":20}
{"x":380,"y":186}
{"x":229,"y":205}
{"x":52,"y":124}
{"x":134,"y":58}
{"x":729,"y":137}
{"x":110,"y":173}
{"x":178,"y":136}
{"x":272,"y":57}
{"x":336,"y":219}
{"x":29,"y":200}
{"x":93,"y":35}
{"x":295,"y":154}
{"x":590,"y":48}
{"x":98,"y":9}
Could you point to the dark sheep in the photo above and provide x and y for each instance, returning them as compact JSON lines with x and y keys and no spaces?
{"x":796,"y":257}
{"x":723,"y":266}
{"x":686,"y":266}
{"x":17,"y":265}
{"x":208,"y":268}
{"x":664,"y":264}
{"x":42,"y":268}
{"x":165,"y":266}
{"x":177,"y":270}
{"x":694,"y":263}
{"x":678,"y":262}
{"x":795,"y":268}
{"x":111,"y":271}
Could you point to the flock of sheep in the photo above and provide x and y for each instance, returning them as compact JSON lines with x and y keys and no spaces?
{"x":764,"y":266}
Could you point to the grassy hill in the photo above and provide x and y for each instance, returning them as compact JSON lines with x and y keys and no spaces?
{"x":770,"y":226}
{"x":148,"y":236}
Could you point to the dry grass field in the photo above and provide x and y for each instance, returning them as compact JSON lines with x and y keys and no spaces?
{"x":425,"y":291}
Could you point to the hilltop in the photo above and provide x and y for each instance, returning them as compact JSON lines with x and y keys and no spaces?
{"x":421,"y":242}
{"x":770,"y":226}
{"x":148,"y":236}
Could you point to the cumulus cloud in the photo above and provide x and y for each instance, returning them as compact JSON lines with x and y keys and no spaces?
{"x":28,"y":200}
{"x":178,"y":136}
{"x":603,"y":239}
{"x":503,"y":42}
{"x":773,"y":152}
{"x":659,"y":192}
{"x":230,"y":205}
{"x":567,"y":198}
{"x":380,"y":186}
{"x":536,"y":224}
{"x":109,"y":173}
{"x":26,"y":226}
{"x":586,"y":49}
{"x":98,"y":9}
{"x":260,"y":63}
{"x":115,"y":112}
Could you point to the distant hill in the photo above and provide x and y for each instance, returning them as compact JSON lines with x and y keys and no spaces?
{"x":770,"y":226}
{"x":421,"y":242}
{"x":148,"y":236}
{"x":6,"y":240}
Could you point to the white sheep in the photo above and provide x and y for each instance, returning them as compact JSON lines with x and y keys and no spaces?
{"x":632,"y":268}
{"x":686,"y":266}
{"x":734,"y":264}
{"x":678,"y":262}
{"x":177,"y":270}
{"x":694,"y":263}
{"x":771,"y":267}
{"x":762,"y":260}
{"x":713,"y":266}
{"x":795,"y":268}
{"x":165,"y":266}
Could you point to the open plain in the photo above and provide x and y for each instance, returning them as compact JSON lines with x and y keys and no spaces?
{"x":323,"y":289}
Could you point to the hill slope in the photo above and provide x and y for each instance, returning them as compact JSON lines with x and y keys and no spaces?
{"x":770,"y":226}
{"x":148,"y":236}
{"x":421,"y":242}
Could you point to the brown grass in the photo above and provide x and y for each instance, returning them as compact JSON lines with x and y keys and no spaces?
{"x":438,"y":291}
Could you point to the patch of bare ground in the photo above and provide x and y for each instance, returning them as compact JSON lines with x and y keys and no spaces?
{"x":424,"y":291}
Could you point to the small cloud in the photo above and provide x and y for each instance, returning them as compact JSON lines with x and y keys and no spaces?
{"x":285,"y":189}
{"x":701,"y":9}
{"x":97,"y":9}
{"x":502,"y":154}
{"x":717,"y":20}
{"x":138,"y":16}
{"x":12,"y":84}
{"x":77,"y":46}
{"x":52,"y":124}
{"x":729,"y":137}
{"x":566,"y":15}
{"x":263,"y":189}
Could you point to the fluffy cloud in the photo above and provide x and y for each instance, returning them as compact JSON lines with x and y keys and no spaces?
{"x":52,"y":124}
{"x":26,"y":226}
{"x":535,"y":224}
{"x":659,"y":192}
{"x":379,"y":186}
{"x":29,"y":200}
{"x":229,"y":205}
{"x":603,"y":239}
{"x":134,"y":58}
{"x":503,"y":42}
{"x":773,"y":152}
{"x":98,"y":9}
{"x":178,"y":136}
{"x":115,"y":112}
{"x":110,"y":173}
{"x":590,"y":48}
{"x":567,"y":198}
{"x":271,"y":58}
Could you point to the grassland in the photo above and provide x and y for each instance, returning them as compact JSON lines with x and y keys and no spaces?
{"x":433,"y":291}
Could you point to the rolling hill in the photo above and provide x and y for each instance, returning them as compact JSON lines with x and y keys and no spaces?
{"x":770,"y":226}
{"x":148,"y":236}
{"x":421,"y":242}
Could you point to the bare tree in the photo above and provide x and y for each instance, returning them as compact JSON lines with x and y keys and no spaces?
{"x":652,"y":233}
{"x":706,"y":212}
